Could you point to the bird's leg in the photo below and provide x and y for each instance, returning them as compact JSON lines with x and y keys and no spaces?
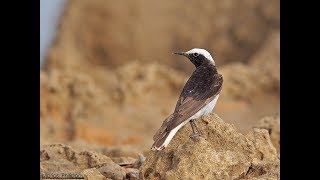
{"x":196,"y":133}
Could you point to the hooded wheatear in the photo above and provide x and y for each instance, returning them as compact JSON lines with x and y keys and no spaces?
{"x":198,"y":97}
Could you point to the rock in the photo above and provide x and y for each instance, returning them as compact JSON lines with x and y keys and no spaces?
{"x":251,"y":91}
{"x":123,"y":161}
{"x":111,"y":172}
{"x":93,"y":174}
{"x":64,"y":159}
{"x":114,"y":151}
{"x":221,"y":153}
{"x":147,"y":80}
{"x":260,"y":77}
{"x":132,"y":174}
{"x":138,"y":163}
{"x":77,"y":105}
{"x":129,"y":162}
{"x":272,"y":124}
{"x":267,"y":61}
{"x":270,"y":10}
{"x":67,"y":100}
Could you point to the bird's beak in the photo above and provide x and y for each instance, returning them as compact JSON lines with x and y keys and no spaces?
{"x":181,"y":53}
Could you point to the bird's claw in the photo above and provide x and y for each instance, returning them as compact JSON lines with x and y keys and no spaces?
{"x":195,"y":135}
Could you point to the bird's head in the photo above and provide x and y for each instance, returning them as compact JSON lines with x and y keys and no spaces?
{"x":197,"y":56}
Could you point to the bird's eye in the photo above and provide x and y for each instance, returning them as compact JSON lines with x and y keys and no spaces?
{"x":195,"y":54}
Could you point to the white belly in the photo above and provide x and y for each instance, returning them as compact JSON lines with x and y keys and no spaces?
{"x":205,"y":110}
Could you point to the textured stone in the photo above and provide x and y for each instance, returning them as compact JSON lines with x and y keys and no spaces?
{"x":221,"y":153}
{"x":64,"y":159}
{"x":272,"y":124}
{"x":93,"y":174}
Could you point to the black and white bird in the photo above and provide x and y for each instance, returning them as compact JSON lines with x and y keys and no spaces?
{"x":198,"y":97}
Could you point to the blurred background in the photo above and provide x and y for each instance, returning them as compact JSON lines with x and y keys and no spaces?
{"x":108,"y":77}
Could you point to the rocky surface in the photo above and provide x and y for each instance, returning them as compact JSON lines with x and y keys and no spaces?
{"x":97,"y":106}
{"x":93,"y":174}
{"x":58,"y":160}
{"x":272,"y":124}
{"x":221,"y":153}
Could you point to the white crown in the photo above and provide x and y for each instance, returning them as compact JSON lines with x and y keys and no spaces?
{"x":204,"y":52}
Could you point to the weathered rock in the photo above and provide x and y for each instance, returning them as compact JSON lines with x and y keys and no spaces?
{"x":110,"y":172}
{"x":221,"y":153}
{"x":272,"y":124}
{"x":261,"y":76}
{"x":132,"y":174}
{"x":68,"y":99}
{"x":76,"y":105}
{"x":266,"y":162}
{"x":114,"y":152}
{"x":58,"y":158}
{"x":93,"y":174}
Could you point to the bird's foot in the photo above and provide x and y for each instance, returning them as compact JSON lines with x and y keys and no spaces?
{"x":195,"y":135}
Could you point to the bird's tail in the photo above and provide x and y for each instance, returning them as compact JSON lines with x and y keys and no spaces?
{"x":160,"y":144}
{"x":162,"y":134}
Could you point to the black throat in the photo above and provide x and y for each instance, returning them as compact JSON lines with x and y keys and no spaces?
{"x":200,"y":60}
{"x":206,"y":66}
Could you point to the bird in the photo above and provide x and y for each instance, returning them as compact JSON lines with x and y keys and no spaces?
{"x":198,"y":97}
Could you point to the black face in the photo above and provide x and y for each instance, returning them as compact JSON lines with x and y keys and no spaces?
{"x":197,"y":59}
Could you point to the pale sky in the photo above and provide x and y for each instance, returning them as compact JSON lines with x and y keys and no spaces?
{"x":49,"y":14}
